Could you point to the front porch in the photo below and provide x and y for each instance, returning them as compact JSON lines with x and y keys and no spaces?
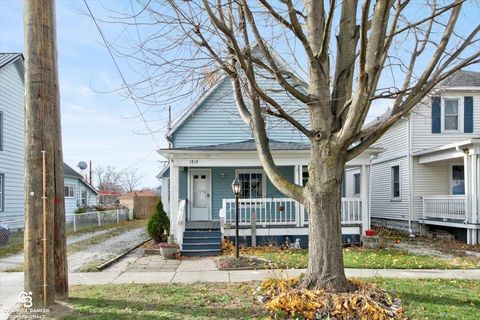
{"x":200,"y":191}
{"x":452,"y":198}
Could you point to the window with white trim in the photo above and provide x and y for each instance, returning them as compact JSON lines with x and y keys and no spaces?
{"x":2,"y":191}
{"x":253,"y":184}
{"x":452,"y":115}
{"x":69,"y":191}
{"x":356,"y":183}
{"x":1,"y":131}
{"x":395,"y":186}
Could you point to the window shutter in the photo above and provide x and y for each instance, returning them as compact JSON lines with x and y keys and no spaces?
{"x":436,"y":115}
{"x":468,"y":115}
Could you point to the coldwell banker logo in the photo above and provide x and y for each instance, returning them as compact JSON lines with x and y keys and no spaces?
{"x":26,"y":299}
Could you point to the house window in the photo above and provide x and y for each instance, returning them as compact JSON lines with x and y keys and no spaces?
{"x":304,"y":176}
{"x":395,"y":176}
{"x":451,"y":114}
{"x":356,"y":183}
{"x":252,"y":184}
{"x":83,"y":198}
{"x":458,"y":179}
{"x":69,"y":191}
{"x":2,"y":191}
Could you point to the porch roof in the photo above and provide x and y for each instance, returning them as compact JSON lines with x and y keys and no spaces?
{"x":247,"y":145}
{"x":448,"y":151}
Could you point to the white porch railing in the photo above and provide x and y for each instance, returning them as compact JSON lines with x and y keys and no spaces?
{"x":284,"y":211}
{"x":444,"y":207}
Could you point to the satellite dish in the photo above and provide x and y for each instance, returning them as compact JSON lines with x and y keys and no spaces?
{"x":82,"y":165}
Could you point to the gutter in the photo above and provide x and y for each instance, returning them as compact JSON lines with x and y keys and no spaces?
{"x":410,"y":175}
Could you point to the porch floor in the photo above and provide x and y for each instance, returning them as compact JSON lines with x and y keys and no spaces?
{"x":202,"y":225}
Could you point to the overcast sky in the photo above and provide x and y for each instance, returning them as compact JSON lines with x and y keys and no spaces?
{"x":96,"y":125}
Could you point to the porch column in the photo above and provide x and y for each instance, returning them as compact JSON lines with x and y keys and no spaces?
{"x":468,"y":186}
{"x":298,"y":179}
{"x":364,"y":189}
{"x":174,"y":186}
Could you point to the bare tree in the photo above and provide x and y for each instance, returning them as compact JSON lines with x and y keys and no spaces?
{"x":46,"y":274}
{"x":130,"y":179}
{"x":108,"y":178}
{"x":352,"y":53}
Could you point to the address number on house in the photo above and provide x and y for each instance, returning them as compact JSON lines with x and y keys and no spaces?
{"x":194,"y":161}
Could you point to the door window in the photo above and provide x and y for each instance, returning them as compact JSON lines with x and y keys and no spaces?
{"x":458,"y":179}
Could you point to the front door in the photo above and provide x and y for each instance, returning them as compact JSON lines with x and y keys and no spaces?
{"x":200,"y":185}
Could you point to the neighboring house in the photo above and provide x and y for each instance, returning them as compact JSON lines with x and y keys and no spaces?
{"x":78,"y":192}
{"x":11,"y":138}
{"x":429,"y":174}
{"x":211,"y":145}
{"x":12,"y":149}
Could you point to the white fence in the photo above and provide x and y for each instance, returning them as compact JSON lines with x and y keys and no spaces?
{"x":284,"y":211}
{"x":448,"y":207}
{"x":95,"y":219}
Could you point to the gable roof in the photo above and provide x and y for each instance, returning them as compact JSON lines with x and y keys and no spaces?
{"x":281,"y":63}
{"x":462,"y":78}
{"x":6,"y":58}
{"x":71,"y":173}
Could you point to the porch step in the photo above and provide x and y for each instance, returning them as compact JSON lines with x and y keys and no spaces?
{"x":200,"y":253}
{"x":202,"y":242}
{"x":203,"y":233}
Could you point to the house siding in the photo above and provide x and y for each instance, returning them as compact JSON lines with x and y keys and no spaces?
{"x":12,"y":154}
{"x":348,"y":189}
{"x":422,"y":136}
{"x":217,"y":121}
{"x":382,"y":206}
{"x":72,"y":204}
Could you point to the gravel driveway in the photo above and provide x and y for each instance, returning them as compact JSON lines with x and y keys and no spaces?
{"x":106,"y":249}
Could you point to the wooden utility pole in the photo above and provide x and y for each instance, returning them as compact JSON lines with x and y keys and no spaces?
{"x":45,"y":257}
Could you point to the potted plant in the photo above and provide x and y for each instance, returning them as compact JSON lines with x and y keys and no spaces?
{"x":168,"y":249}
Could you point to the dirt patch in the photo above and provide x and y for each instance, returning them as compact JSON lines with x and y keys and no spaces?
{"x":59,"y":310}
{"x":243,"y":263}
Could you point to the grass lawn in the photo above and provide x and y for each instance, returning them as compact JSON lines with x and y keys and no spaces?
{"x":355,"y":257}
{"x":423,"y":299}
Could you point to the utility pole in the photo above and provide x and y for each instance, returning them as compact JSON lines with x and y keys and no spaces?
{"x":45,"y":240}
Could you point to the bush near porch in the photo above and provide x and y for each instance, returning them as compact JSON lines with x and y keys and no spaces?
{"x":356,"y":257}
{"x":422,"y":299}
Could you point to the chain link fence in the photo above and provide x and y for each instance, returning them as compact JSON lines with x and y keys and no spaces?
{"x":11,"y":231}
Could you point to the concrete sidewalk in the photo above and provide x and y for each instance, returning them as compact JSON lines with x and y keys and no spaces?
{"x":11,"y":283}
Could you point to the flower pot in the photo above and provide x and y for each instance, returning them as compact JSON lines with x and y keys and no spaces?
{"x":168,"y":252}
{"x":370,"y":233}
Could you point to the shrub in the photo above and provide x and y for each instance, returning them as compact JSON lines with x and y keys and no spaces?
{"x":159,"y":225}
{"x":80,"y":210}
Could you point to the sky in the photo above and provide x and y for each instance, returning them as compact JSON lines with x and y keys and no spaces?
{"x":97,"y":124}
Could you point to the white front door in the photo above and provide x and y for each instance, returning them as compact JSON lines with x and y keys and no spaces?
{"x":200,"y":185}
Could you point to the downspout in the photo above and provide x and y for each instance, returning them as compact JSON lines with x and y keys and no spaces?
{"x":410,"y":175}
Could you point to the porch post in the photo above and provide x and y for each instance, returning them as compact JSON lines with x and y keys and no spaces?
{"x":364,"y":189}
{"x":468,"y":186}
{"x":298,"y":179}
{"x":174,"y":185}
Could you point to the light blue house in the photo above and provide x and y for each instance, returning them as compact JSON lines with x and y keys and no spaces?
{"x":78,"y":193}
{"x":11,"y":137}
{"x":210,"y":145}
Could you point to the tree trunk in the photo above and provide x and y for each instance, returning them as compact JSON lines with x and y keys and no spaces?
{"x":42,"y":136}
{"x":323,"y":202}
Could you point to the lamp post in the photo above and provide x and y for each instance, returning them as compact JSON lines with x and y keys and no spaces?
{"x":236,"y":187}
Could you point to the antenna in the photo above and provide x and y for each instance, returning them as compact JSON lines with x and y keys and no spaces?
{"x":82,"y":165}
{"x":169,"y":125}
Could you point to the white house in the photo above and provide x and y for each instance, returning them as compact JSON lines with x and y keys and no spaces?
{"x":211,"y":146}
{"x":429,"y":174}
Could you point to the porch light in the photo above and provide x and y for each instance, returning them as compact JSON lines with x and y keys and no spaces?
{"x":236,"y":186}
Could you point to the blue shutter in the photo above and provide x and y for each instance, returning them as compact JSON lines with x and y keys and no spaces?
{"x":468,"y":115}
{"x":436,"y":115}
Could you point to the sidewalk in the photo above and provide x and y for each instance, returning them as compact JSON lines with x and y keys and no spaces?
{"x":11,"y":283}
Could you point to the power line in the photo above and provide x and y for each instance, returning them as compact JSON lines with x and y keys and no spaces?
{"x":130,"y":93}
